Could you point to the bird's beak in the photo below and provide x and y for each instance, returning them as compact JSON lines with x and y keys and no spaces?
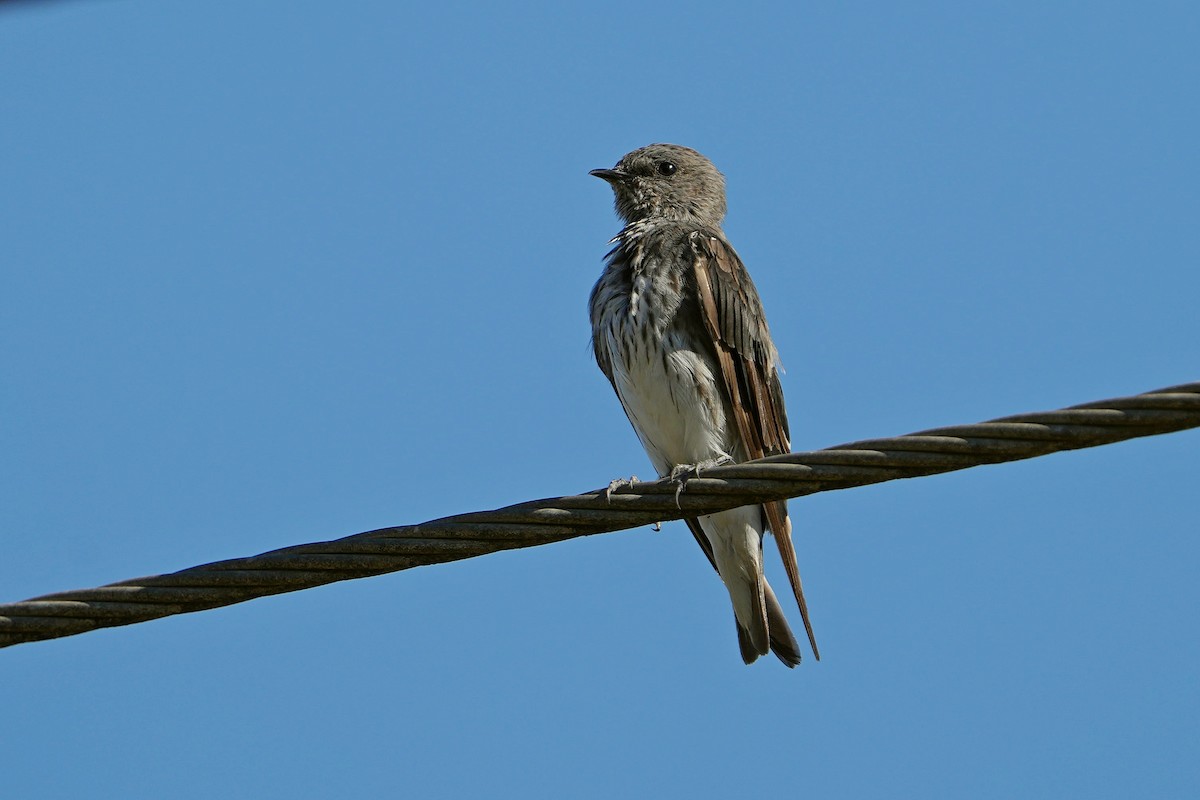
{"x":610,"y":175}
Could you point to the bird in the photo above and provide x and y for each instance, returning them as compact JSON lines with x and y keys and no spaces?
{"x":679,"y":331}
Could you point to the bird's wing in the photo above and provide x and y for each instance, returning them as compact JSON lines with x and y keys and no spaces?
{"x":599,"y":350}
{"x":734,"y":318}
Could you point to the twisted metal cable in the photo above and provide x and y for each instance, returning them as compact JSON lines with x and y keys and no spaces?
{"x":557,"y":519}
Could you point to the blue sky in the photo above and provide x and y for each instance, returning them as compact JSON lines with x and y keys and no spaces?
{"x":277,"y":272}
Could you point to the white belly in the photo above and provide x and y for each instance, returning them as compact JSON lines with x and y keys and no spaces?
{"x":674,"y":403}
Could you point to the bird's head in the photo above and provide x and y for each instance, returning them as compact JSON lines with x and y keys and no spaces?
{"x":666,"y":181}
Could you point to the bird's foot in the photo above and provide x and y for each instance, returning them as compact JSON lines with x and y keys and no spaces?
{"x":618,"y":483}
{"x":621,"y":483}
{"x":682,"y":473}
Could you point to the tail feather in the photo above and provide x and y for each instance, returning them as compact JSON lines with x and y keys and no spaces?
{"x":783,"y":643}
{"x":736,"y":539}
{"x":749,"y":651}
{"x":750,"y":613}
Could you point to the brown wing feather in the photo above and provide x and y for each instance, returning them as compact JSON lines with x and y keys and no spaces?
{"x":733,"y":316}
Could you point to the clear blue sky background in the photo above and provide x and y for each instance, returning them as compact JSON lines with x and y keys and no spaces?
{"x":277,"y":272}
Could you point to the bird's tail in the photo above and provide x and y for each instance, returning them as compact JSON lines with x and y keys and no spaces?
{"x":733,"y":542}
{"x":783,"y":643}
{"x":771,"y":632}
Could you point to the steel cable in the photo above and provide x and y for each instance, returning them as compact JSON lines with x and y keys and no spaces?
{"x":557,"y":519}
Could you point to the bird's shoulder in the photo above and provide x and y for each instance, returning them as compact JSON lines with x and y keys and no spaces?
{"x":730,"y":298}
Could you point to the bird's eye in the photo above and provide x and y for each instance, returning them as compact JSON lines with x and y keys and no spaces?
{"x":666,"y":168}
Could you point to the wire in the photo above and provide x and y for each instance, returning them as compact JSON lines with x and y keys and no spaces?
{"x":557,"y":519}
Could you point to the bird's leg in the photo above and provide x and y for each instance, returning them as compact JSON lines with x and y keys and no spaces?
{"x":621,"y":483}
{"x":618,"y":483}
{"x":682,"y":473}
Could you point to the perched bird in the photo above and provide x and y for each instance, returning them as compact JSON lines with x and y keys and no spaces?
{"x":679,"y":331}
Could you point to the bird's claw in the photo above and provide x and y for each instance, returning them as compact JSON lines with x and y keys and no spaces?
{"x":618,"y":483}
{"x":682,"y":473}
{"x":621,"y":483}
